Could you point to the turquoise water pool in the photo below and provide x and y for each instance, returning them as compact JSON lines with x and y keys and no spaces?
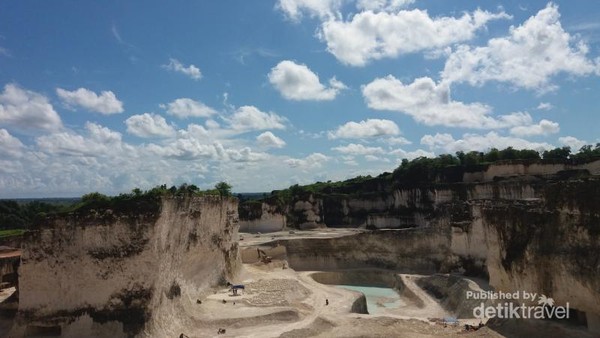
{"x":378,"y":299}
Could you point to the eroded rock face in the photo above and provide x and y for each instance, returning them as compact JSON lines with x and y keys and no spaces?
{"x":550,"y":245}
{"x":410,"y":251}
{"x":532,"y":228}
{"x":122,"y":274}
{"x":261,"y":217}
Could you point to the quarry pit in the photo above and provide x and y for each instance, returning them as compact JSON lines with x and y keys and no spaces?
{"x":396,"y":263}
{"x":362,"y":301}
{"x":283,"y":299}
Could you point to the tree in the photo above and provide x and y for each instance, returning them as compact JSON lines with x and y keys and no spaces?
{"x":473,"y":158}
{"x":492,"y":156}
{"x":508,"y":154}
{"x":528,"y":154}
{"x":587,"y":153}
{"x":445,"y":160}
{"x":223,"y":188}
{"x":94,"y":197}
{"x":461,"y":157}
{"x":557,"y":153}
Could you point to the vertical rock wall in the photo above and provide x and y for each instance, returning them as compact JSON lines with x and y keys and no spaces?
{"x":549,"y":245}
{"x":409,"y":251}
{"x":261,"y":217}
{"x":124,"y":274}
{"x":535,"y":234}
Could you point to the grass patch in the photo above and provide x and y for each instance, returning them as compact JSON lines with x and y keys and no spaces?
{"x":11,"y":233}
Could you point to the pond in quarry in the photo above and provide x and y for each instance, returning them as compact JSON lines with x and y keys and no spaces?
{"x":392,"y":293}
{"x":378,"y":298}
{"x":381,"y":289}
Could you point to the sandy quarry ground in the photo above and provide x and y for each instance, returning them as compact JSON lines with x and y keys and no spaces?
{"x":248,"y":239}
{"x":280,"y":302}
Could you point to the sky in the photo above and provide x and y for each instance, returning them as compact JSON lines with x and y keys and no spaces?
{"x":112,"y":95}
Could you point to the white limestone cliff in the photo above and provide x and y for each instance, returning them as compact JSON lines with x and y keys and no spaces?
{"x":125,"y":275}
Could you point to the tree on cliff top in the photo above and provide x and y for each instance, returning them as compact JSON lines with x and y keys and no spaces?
{"x":223,"y":188}
{"x":557,"y":153}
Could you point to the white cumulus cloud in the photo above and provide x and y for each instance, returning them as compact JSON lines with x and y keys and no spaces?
{"x":574,"y":143}
{"x":410,"y":155}
{"x":247,"y":118}
{"x":106,"y":103}
{"x":99,"y":142}
{"x":376,"y":35}
{"x":185,"y":107}
{"x":149,"y":125}
{"x":245,"y":155}
{"x":447,"y":144}
{"x":269,"y":140}
{"x":186,"y":149}
{"x":545,"y":106}
{"x":365,"y":129}
{"x":27,"y":110}
{"x":297,"y":82}
{"x":544,"y":127}
{"x":10,"y":146}
{"x":382,"y":5}
{"x":190,"y":71}
{"x":358,"y":149}
{"x":528,"y":57}
{"x":397,"y":141}
{"x":430,"y":103}
{"x":312,"y":161}
{"x":322,"y":9}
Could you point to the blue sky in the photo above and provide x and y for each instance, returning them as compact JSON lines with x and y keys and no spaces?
{"x":264,"y":94}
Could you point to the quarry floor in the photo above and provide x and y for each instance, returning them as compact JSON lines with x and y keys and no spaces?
{"x":280,"y":302}
{"x":250,"y":239}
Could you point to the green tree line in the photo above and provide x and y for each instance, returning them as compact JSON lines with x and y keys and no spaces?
{"x":426,"y":169}
{"x":14,"y":215}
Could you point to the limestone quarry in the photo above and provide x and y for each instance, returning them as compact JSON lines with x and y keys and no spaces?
{"x":390,"y":263}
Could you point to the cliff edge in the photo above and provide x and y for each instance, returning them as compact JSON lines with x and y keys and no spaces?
{"x":125,"y":274}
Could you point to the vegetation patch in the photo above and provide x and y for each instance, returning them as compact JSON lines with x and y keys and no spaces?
{"x":11,"y":233}
{"x":19,"y":215}
{"x":250,"y":210}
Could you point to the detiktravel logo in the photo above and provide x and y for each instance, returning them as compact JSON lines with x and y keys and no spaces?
{"x":517,"y":305}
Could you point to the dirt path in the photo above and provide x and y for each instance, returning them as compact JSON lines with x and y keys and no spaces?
{"x":275,"y":301}
{"x":281,"y":302}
